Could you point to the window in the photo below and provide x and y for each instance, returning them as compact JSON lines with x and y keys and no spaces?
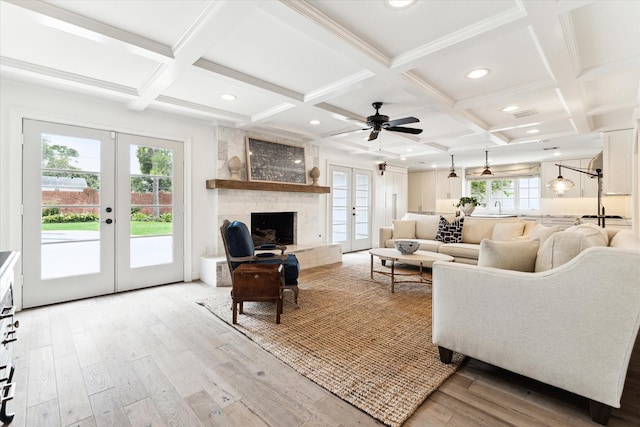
{"x":517,"y":193}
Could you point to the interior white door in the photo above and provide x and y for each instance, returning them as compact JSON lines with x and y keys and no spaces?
{"x":102,"y":212}
{"x":351,"y":208}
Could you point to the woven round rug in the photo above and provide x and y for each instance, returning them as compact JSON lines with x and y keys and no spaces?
{"x":353,"y":337}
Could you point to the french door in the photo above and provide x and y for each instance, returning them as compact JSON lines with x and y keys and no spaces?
{"x":102,"y":212}
{"x":351,"y":208}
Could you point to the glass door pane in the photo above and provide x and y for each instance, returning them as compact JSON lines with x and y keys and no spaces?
{"x":151,"y":182}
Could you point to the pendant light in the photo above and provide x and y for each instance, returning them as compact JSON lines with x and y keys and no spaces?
{"x":452,"y":171}
{"x":560,"y":185}
{"x":486,"y":170}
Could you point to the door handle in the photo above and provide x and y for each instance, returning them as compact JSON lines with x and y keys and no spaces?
{"x":109,"y":221}
{"x":109,"y":209}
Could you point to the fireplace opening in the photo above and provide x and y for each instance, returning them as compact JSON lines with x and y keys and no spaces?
{"x":273,"y":227}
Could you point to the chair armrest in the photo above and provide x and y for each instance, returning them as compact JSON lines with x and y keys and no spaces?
{"x":271,"y":248}
{"x":256,"y":258}
{"x":573,"y":327}
{"x":386,"y":233}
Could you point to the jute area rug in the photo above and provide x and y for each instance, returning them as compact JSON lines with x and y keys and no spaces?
{"x":353,"y":337}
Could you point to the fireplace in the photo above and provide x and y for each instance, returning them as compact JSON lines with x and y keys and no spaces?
{"x":273,"y":227}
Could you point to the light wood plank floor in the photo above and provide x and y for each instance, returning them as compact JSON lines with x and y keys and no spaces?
{"x":155,"y":358}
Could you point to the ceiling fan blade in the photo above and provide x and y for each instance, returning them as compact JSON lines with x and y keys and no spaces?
{"x":405,"y":130}
{"x":397,"y":122}
{"x":349,"y":132}
{"x":374,"y":134}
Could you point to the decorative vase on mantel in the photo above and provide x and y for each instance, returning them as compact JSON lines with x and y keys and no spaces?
{"x":314,"y":174}
{"x":234,"y":166}
{"x":468,"y":208}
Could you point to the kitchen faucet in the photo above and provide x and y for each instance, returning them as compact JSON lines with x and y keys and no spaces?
{"x":499,"y":205}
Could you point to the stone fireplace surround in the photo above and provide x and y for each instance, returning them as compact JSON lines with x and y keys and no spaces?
{"x":311,"y":248}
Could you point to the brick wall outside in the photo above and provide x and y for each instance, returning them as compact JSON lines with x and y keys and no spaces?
{"x":89,"y":196}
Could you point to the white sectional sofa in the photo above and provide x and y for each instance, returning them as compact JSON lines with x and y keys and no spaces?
{"x":569,"y":320}
{"x":423,"y":228}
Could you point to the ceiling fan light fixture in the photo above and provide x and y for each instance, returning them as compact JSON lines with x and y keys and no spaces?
{"x":452,"y":170}
{"x":478,"y":73}
{"x":486,"y":170}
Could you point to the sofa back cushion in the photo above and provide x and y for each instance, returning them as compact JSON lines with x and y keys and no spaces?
{"x":543,"y":232}
{"x":507,"y":231}
{"x":518,"y":255}
{"x":404,"y":229}
{"x":625,"y":239}
{"x":476,"y":229}
{"x":563,"y":246}
{"x":426,"y":225}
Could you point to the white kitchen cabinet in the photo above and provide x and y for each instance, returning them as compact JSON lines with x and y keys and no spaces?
{"x":422,"y":191}
{"x":617,"y":157}
{"x":448,"y":188}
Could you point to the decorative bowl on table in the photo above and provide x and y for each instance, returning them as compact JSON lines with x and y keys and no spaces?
{"x":407,"y":247}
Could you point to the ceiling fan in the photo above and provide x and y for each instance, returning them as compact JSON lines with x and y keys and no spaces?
{"x":378,"y":121}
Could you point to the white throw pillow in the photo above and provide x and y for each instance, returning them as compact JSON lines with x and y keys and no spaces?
{"x":507,"y":231}
{"x":404,"y":229}
{"x":517,"y":255}
{"x":564,"y":246}
{"x":592,"y":232}
{"x":543,"y":232}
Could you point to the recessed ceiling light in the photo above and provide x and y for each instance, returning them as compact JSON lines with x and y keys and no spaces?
{"x":399,"y":4}
{"x":531,"y":131}
{"x":409,"y":150}
{"x":403,"y":158}
{"x":510,"y":108}
{"x":314,"y":122}
{"x":434,"y":165}
{"x":228,"y":97}
{"x":478,"y":74}
{"x":556,"y":153}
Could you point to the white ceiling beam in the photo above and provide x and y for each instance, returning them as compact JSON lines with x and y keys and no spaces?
{"x":213,"y":23}
{"x":44,"y":73}
{"x":553,"y":34}
{"x":504,"y":95}
{"x":203,"y":109}
{"x":91,"y":29}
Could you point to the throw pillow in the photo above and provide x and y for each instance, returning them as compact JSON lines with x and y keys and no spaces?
{"x":562,"y":247}
{"x":450,"y":232}
{"x":543,"y":232}
{"x":507,"y":231}
{"x":517,"y":255}
{"x":593,"y":232}
{"x":404,"y":229}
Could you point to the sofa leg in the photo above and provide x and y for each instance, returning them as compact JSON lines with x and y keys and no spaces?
{"x":446,"y":355}
{"x":599,"y":412}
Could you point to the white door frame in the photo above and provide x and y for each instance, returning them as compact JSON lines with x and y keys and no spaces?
{"x":13,"y":197}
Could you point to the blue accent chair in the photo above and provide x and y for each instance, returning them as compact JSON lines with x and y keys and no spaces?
{"x":240,"y":249}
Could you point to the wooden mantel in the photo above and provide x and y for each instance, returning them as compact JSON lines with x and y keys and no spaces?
{"x":214,"y":184}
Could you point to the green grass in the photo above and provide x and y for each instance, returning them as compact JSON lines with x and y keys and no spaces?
{"x":137,"y":228}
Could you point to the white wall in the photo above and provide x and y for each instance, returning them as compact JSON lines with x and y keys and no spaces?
{"x":23,"y":100}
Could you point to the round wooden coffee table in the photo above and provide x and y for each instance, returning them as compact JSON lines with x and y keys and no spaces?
{"x":421,"y":258}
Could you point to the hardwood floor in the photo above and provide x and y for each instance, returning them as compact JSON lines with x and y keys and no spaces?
{"x":155,"y":358}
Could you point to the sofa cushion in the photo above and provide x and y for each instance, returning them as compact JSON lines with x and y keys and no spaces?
{"x":426,"y":225}
{"x":404,"y":229}
{"x":625,"y":239}
{"x":450,"y":232}
{"x":543,"y":232}
{"x":460,"y":250}
{"x":563,"y":246}
{"x":507,"y":231}
{"x":477,"y":229}
{"x":518,"y":255}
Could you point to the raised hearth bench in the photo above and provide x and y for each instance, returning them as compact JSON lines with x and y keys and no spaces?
{"x":215,"y":271}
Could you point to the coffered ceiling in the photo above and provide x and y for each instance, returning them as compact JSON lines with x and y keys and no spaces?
{"x":571,"y":67}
